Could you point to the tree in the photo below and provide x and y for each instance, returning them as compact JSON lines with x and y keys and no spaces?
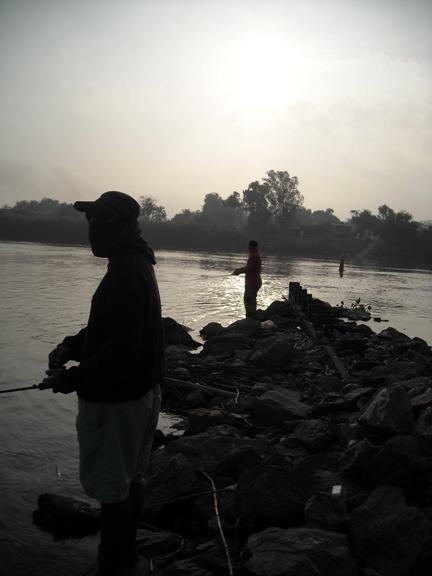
{"x":150,"y":211}
{"x":256,"y":204}
{"x":365,"y":222}
{"x":233,"y":201}
{"x":306,"y":216}
{"x":398,"y":228}
{"x":222,"y":213}
{"x":283,"y":196}
{"x":212,"y":209}
{"x":185,"y":217}
{"x":44,"y":206}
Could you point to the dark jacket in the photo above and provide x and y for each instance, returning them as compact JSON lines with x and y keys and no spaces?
{"x":121,"y":352}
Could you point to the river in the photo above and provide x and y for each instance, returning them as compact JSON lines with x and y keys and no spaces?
{"x":46,"y":292}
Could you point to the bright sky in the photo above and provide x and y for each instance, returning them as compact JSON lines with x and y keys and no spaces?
{"x":179,"y":98}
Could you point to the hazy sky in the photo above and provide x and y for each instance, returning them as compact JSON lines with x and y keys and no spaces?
{"x":179,"y":98}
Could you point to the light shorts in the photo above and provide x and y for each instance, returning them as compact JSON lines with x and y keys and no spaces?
{"x":115,"y":440}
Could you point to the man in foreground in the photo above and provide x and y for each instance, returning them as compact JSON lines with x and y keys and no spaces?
{"x":121,"y":363}
{"x":253,"y":282}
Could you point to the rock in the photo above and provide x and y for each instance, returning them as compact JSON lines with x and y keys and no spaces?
{"x":224,"y":345}
{"x":268,"y":326}
{"x":211,"y":329}
{"x":205,"y":451}
{"x":276,"y":406}
{"x":326,"y":512}
{"x":389,"y":412}
{"x":330,"y":383}
{"x":347,"y":434}
{"x":316,"y":435}
{"x":356,"y":458}
{"x":247,"y":326}
{"x":421,"y":396}
{"x":335,"y":403}
{"x":66,"y":517}
{"x":389,"y":535}
{"x":213,"y":558}
{"x":241,"y":404}
{"x":153,"y":544}
{"x":400,"y":463}
{"x":399,"y":370}
{"x":202,"y":419}
{"x":298,"y":551}
{"x":177,"y":335}
{"x":195,"y":398}
{"x":423,"y":566}
{"x":357,"y":315}
{"x":393,"y":335}
{"x":273,"y":495}
{"x":188,"y":567}
{"x":283,"y":309}
{"x":172,"y":480}
{"x":423,"y":432}
{"x":237,"y":461}
{"x":273,"y":352}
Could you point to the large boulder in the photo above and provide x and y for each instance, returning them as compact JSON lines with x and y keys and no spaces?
{"x":298,"y":552}
{"x":356,"y":458}
{"x":273,"y":495}
{"x":211,"y":329}
{"x":420,"y":394}
{"x":66,"y":517}
{"x":153,"y":544}
{"x":277,"y":406}
{"x":274,"y":352}
{"x":206,"y":451}
{"x":247,"y":326}
{"x":423,"y":431}
{"x":177,"y":335}
{"x":174,"y":479}
{"x":396,"y":371}
{"x":223,"y":345}
{"x":389,"y":412}
{"x":283,"y":309}
{"x":201,"y":419}
{"x":387,"y":534}
{"x":316,"y":435}
{"x":326,"y":512}
{"x":400,"y":463}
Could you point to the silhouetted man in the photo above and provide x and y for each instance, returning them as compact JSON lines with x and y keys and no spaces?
{"x":121,"y":363}
{"x":253,"y":282}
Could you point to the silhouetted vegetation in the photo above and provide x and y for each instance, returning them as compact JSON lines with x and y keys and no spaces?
{"x":270,"y":211}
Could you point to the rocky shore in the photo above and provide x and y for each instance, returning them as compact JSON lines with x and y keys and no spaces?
{"x":305,"y":448}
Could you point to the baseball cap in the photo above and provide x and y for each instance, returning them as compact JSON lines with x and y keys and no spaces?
{"x":112,"y":203}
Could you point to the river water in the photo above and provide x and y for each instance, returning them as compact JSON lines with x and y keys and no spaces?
{"x":45,"y":295}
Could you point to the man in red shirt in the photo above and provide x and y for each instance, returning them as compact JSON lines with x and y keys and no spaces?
{"x":253,"y":282}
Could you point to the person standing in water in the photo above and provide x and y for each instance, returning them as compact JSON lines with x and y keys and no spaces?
{"x":341,"y":266}
{"x":253,"y":281}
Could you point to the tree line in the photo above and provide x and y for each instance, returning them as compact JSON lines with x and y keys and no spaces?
{"x":271,"y":210}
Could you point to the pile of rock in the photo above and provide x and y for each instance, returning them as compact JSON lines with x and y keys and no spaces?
{"x":320,"y":452}
{"x":303,"y":451}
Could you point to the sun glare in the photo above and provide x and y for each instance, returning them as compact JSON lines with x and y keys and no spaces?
{"x":261,"y":72}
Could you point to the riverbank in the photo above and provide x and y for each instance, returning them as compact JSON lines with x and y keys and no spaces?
{"x":307,"y":437}
{"x":73,"y":231}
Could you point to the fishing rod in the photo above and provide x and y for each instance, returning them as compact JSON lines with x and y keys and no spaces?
{"x":45,"y":385}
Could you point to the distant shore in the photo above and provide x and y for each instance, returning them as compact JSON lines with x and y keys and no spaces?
{"x":196,"y":238}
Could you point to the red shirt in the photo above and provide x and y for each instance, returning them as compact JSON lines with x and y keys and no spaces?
{"x":253,"y":276}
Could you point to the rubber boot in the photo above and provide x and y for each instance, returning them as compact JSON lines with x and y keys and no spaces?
{"x":129,"y":556}
{"x":115,"y":523}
